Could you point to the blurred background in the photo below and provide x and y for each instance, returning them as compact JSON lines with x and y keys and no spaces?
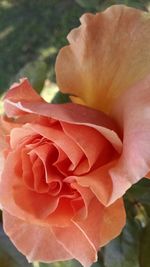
{"x":33,"y":31}
{"x":31,"y":34}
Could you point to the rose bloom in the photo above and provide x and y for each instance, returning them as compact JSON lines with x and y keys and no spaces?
{"x":67,"y":166}
{"x":55,"y":186}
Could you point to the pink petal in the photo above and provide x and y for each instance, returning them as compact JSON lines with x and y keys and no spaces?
{"x":19,"y":200}
{"x":113,"y":221}
{"x":36,"y":242}
{"x":103,"y":223}
{"x":77,"y":244}
{"x":99,"y":181}
{"x":63,"y":214}
{"x":71,"y":113}
{"x":57,"y":136}
{"x":85,"y":237}
{"x":77,"y":114}
{"x":83,"y":139}
{"x":132,"y":111}
{"x":18,"y":92}
{"x":87,"y":196}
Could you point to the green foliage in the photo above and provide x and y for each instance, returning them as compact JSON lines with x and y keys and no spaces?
{"x":36,"y":72}
{"x":124,"y":250}
{"x":140,"y":192}
{"x":145,"y":247}
{"x":9,"y":256}
{"x":60,"y":98}
{"x":94,"y":4}
{"x":71,"y":263}
{"x":99,"y":5}
{"x":33,"y":30}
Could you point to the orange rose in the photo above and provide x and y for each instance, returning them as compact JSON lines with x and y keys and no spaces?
{"x":55,"y":184}
{"x":66,"y":166}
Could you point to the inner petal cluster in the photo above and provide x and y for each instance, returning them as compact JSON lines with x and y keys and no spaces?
{"x":52,"y":155}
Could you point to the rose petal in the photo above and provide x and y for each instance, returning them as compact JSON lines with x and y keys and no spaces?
{"x":108,"y":53}
{"x":83,"y":139}
{"x":27,"y":104}
{"x":36,"y":242}
{"x":20,"y":135}
{"x":36,"y":204}
{"x":20,"y":91}
{"x":99,"y":182}
{"x":71,"y":113}
{"x":103,"y":224}
{"x":80,"y":115}
{"x":77,"y":244}
{"x":113,"y":221}
{"x":57,"y":136}
{"x":132,"y":111}
{"x":87,"y":197}
{"x":63,"y":214}
{"x":19,"y":200}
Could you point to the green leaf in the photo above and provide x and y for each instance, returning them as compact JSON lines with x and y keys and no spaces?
{"x":71,"y":263}
{"x":60,"y":98}
{"x":9,"y":256}
{"x":36,"y":72}
{"x":140,"y":192}
{"x":124,"y":250}
{"x":100,"y":5}
{"x":89,"y":3}
{"x":145,"y":247}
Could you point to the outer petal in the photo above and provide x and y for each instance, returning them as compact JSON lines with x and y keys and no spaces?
{"x":77,"y":244}
{"x":71,"y":113}
{"x":36,"y":242}
{"x":108,"y":53}
{"x":20,"y":91}
{"x":103,"y":223}
{"x":132,"y":111}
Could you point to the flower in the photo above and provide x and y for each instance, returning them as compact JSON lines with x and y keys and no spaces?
{"x":55,"y":187}
{"x":67,"y":166}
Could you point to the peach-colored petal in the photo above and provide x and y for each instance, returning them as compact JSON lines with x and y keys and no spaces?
{"x":71,"y":113}
{"x":99,"y":182}
{"x":10,"y":177}
{"x":36,"y":242}
{"x":20,"y":135}
{"x":87,"y":196}
{"x":103,"y":223}
{"x":2,"y":147}
{"x":36,"y":204}
{"x":62,"y":215}
{"x":113,"y":221}
{"x":30,"y":210}
{"x":20,"y":91}
{"x":132,"y":111}
{"x":83,"y":139}
{"x":77,"y":114}
{"x":22,"y":97}
{"x":71,"y":149}
{"x":108,"y":53}
{"x":77,"y":244}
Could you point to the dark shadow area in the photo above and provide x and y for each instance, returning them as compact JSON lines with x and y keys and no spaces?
{"x":31,"y":30}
